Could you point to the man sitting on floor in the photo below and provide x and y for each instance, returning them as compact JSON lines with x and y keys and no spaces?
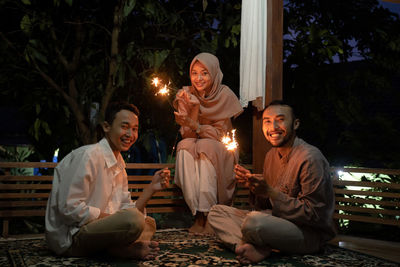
{"x":294,"y":197}
{"x":90,"y":210}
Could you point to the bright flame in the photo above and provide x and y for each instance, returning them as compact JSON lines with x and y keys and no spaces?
{"x":155,"y":81}
{"x":230,"y":143}
{"x":163,"y":91}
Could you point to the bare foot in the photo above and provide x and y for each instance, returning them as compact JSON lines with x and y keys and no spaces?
{"x":208,"y":230}
{"x":196,"y":228}
{"x":247,"y":253}
{"x":139,"y":250}
{"x":198,"y":225}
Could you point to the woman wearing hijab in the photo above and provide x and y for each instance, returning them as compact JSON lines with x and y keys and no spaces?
{"x":204,"y":167}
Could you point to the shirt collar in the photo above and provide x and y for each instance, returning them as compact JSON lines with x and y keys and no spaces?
{"x":286,"y":156}
{"x":109,"y":155}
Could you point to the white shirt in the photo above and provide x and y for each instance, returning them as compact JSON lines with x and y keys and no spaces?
{"x":89,"y":180}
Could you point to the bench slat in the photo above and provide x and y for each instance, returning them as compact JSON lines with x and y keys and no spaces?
{"x":368,"y":210}
{"x":22,"y":213}
{"x":35,"y":203}
{"x":366,"y":193}
{"x":338,"y":182}
{"x":27,"y":164}
{"x":15,"y":178}
{"x":142,"y":186}
{"x":24,"y":195}
{"x":24,"y":186}
{"x":160,"y":194}
{"x":366,"y":170}
{"x":367,"y":201}
{"x":149,"y":165}
{"x":366,"y":219}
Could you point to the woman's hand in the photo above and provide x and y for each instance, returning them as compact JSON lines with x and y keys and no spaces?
{"x":160,"y":179}
{"x":185,"y":120}
{"x":191,"y":100}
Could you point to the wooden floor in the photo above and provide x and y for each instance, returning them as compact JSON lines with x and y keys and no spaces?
{"x":378,"y":248}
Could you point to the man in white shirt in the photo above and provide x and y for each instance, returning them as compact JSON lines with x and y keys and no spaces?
{"x":90,"y":209}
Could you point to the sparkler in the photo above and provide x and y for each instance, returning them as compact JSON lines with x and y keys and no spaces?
{"x":165,"y":90}
{"x":230,"y":142}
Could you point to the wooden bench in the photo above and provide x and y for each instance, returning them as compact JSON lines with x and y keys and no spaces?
{"x":23,"y":195}
{"x":364,"y":201}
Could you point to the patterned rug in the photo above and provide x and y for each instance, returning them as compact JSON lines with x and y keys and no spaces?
{"x":178,"y":248}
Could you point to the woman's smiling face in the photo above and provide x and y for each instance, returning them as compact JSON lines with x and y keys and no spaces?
{"x":201,"y":79}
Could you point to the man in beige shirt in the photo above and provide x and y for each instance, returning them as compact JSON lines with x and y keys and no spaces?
{"x":293,"y":198}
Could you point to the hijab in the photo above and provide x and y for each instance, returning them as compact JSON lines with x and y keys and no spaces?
{"x":221,"y":102}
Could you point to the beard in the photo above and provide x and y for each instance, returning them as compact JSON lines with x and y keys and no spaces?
{"x":290,"y":135}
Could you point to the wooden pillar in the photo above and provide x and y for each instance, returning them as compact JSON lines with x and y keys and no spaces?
{"x":273,"y":87}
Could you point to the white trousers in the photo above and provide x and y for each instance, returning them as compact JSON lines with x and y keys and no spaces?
{"x":197,"y":179}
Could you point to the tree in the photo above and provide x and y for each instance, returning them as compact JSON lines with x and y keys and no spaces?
{"x":341,"y":64}
{"x":73,"y":57}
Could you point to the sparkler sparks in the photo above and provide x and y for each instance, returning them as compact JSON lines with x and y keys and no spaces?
{"x":164,"y":88}
{"x":155,"y":81}
{"x":230,"y":142}
{"x":163,"y":91}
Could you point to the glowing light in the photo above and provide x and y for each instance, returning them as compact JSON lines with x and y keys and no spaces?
{"x":230,"y":142}
{"x":163,"y":91}
{"x":155,"y":81}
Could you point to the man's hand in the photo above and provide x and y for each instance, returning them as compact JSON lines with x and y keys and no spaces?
{"x":242,"y":174}
{"x":160,"y":179}
{"x":259,"y":187}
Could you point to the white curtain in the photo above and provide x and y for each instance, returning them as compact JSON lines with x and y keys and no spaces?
{"x":253,"y":46}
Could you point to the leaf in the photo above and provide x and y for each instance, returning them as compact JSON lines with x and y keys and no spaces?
{"x":159,"y":58}
{"x":46,"y":128}
{"x":236,"y":29}
{"x":36,"y":127}
{"x":25,"y":24}
{"x":205,"y":4}
{"x":227,"y":42}
{"x":37,"y":107}
{"x":26,"y":2}
{"x":66,"y":112}
{"x":69,"y":2}
{"x":36,"y":54}
{"x":128,"y":7}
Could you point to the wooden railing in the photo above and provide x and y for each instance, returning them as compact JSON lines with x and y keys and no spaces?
{"x":364,"y":201}
{"x":26,"y":195}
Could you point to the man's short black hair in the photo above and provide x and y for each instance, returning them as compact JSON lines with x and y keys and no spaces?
{"x":114,"y":107}
{"x":283,"y":103}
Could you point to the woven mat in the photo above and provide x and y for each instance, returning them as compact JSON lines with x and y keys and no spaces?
{"x":178,"y":248}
